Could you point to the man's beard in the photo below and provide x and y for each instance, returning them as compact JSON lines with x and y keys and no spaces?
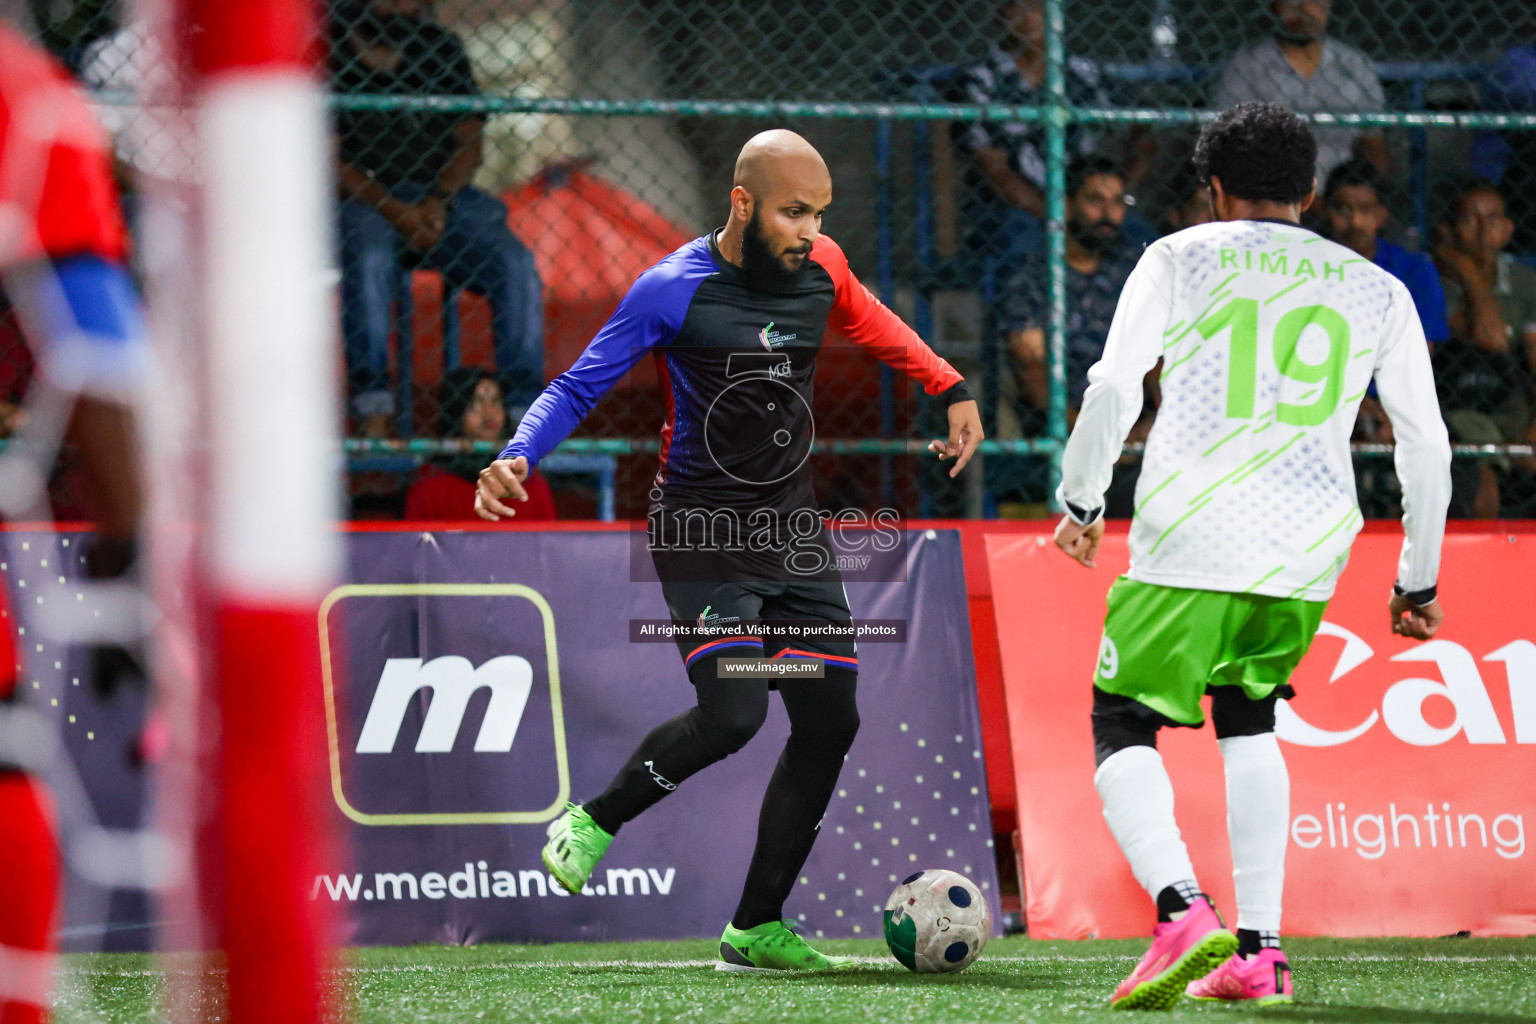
{"x":1089,"y":237}
{"x":758,"y":261}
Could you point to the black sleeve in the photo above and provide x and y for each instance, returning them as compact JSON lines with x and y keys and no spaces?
{"x":960,"y":391}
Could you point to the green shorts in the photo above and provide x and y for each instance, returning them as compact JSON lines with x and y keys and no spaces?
{"x":1163,"y":646}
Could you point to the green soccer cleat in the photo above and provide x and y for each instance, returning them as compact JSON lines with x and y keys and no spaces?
{"x":576,"y":844}
{"x":772,"y":948}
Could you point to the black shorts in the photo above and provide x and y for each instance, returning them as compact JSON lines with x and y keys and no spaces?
{"x":709,"y":590}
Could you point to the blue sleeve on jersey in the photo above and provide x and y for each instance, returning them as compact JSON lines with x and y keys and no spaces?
{"x":649,"y":317}
{"x":94,"y":338}
{"x":100,"y":299}
{"x":1429,"y":300}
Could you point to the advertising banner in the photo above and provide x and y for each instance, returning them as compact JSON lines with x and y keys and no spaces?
{"x":85,"y":742}
{"x":476,"y":682}
{"x":1412,"y":765}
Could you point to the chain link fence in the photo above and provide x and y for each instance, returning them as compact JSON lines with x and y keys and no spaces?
{"x":505,"y":168}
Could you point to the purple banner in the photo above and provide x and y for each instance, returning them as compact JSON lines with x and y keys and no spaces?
{"x":478,"y":681}
{"x":95,"y":772}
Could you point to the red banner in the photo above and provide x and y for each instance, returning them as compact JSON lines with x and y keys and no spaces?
{"x":1413,"y":765}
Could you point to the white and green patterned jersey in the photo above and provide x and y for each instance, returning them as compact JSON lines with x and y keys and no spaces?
{"x":1269,"y":336}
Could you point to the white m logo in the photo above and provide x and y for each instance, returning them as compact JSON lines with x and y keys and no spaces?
{"x":453,"y":680}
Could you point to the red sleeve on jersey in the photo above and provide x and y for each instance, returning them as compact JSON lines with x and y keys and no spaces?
{"x":55,"y":156}
{"x":863,"y":319}
{"x":79,"y":213}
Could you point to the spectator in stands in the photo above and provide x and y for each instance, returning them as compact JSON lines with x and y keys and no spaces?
{"x":406,"y":200}
{"x":1097,"y":265}
{"x":1487,"y":370}
{"x":1006,"y":172}
{"x":1191,"y":201}
{"x":1301,"y":68}
{"x":1355,"y":214}
{"x":1098,"y":262}
{"x":474,"y":411}
{"x":1510,"y":86}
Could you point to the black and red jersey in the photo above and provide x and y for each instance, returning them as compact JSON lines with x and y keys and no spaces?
{"x":738,"y":363}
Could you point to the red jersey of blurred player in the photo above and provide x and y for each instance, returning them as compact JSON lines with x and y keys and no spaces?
{"x":55,"y":169}
{"x":57,"y":200}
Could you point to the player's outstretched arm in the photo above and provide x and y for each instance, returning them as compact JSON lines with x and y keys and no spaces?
{"x":965,"y":434}
{"x":500,"y":482}
{"x":647,"y":317}
{"x":863,"y":319}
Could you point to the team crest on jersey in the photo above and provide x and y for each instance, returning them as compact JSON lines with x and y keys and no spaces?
{"x":709,"y":621}
{"x":772,"y":339}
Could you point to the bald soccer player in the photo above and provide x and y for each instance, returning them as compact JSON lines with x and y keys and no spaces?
{"x":734,"y":320}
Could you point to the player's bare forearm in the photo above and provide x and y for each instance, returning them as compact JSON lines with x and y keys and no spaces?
{"x":499,"y":483}
{"x":965,"y":434}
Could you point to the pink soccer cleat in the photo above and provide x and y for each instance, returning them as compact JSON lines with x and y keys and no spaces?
{"x":1263,"y":981}
{"x":1182,"y":951}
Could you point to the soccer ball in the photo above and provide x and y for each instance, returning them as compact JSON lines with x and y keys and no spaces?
{"x":936,"y":922}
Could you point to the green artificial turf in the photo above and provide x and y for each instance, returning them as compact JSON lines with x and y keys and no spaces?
{"x":1436,"y":981}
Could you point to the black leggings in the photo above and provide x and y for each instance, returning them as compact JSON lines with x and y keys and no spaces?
{"x":823,"y":720}
{"x":1120,"y":722}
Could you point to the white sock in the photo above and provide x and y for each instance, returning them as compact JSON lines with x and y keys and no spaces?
{"x":1258,"y":816}
{"x":1138,"y":805}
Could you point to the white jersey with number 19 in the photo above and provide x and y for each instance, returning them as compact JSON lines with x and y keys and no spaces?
{"x":1269,"y":336}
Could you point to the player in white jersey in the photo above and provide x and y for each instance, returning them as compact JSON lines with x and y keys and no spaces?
{"x":1269,"y":336}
